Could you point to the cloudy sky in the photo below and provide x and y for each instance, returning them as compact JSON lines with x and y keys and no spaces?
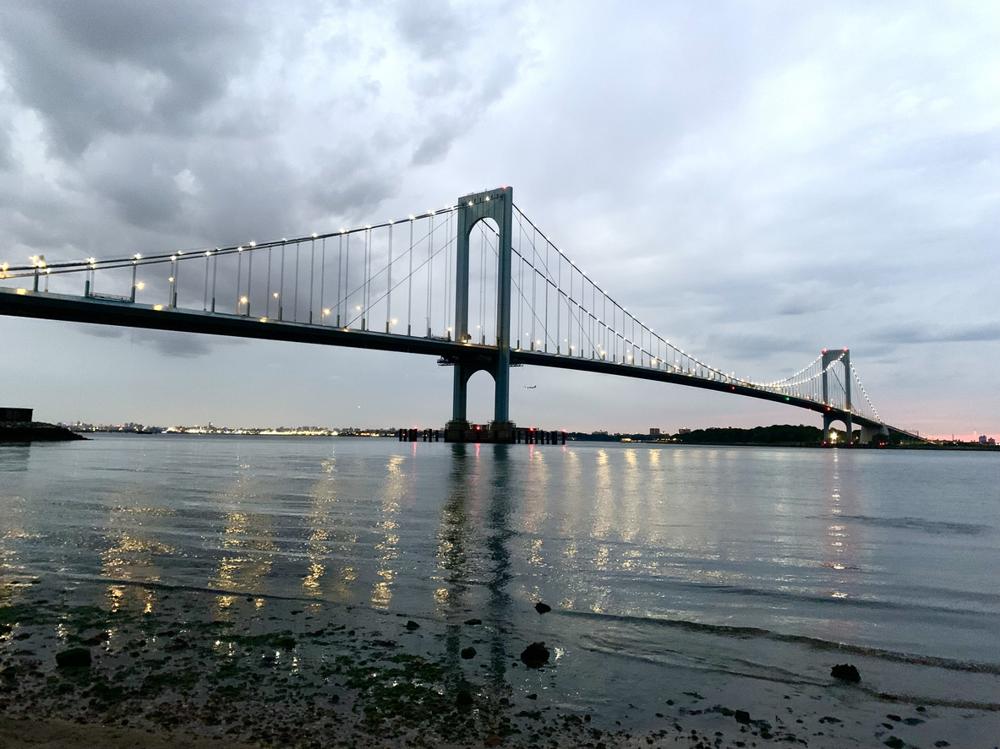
{"x":756,"y":181}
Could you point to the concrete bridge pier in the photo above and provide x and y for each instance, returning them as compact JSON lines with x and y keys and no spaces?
{"x":869,"y":433}
{"x":830,"y":419}
{"x":498,"y":206}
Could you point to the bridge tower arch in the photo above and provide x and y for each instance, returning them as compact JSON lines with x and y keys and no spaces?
{"x":497,"y":205}
{"x":831,"y":357}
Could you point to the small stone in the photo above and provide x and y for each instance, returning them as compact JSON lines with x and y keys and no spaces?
{"x":473,"y":622}
{"x":941,"y":743}
{"x":493,"y":740}
{"x":73,"y":658}
{"x":535,"y":655}
{"x":463,"y":698}
{"x":921,"y":709}
{"x":894,"y":742}
{"x":893,"y":716}
{"x":468,"y":653}
{"x":912,"y":721}
{"x":412,"y":625}
{"x":742,"y":716}
{"x":542,"y":608}
{"x":845,"y":672}
{"x":532,"y":696}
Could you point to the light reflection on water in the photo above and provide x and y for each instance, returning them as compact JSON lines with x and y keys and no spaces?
{"x":888,"y":549}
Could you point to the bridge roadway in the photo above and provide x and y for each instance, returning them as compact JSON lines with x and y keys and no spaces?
{"x":44,"y":305}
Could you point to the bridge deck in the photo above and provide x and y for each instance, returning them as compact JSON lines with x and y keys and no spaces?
{"x":22,"y":303}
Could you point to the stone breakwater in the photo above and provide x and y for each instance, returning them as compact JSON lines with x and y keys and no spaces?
{"x":35,"y":431}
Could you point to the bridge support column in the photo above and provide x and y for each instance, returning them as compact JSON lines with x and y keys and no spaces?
{"x":828,"y":422}
{"x":869,"y":434}
{"x":497,"y":205}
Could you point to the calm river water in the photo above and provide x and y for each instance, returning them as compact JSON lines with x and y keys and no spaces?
{"x":662,"y":555}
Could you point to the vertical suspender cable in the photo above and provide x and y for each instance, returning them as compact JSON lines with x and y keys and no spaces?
{"x":409,"y":287}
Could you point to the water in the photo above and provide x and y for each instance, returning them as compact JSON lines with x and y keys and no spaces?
{"x":742,"y":561}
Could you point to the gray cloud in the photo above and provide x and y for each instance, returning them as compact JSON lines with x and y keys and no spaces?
{"x":980,"y":332}
{"x":755,"y":186}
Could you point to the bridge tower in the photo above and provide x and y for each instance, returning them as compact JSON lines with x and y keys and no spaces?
{"x":497,"y":205}
{"x":832,"y":356}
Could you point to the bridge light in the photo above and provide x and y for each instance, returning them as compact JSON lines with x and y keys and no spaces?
{"x":173,"y":258}
{"x":158,"y":307}
{"x":240,"y":248}
{"x":326,"y":312}
{"x":357,"y":307}
{"x":254,"y":244}
{"x":170,"y":280}
{"x":487,"y":199}
{"x":243,"y":300}
{"x":263,"y":319}
{"x":137,"y":256}
{"x":470,"y":204}
{"x":22,"y":292}
{"x":208,"y":253}
{"x":412,"y":217}
{"x":275,"y":295}
{"x":394,"y":321}
{"x":140,"y":285}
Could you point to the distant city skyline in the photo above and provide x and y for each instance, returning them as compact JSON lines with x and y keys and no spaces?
{"x":756,"y":184}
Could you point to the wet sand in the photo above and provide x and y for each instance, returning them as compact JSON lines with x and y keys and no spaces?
{"x":202,"y":668}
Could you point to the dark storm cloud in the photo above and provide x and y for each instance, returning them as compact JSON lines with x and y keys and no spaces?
{"x":118,"y":66}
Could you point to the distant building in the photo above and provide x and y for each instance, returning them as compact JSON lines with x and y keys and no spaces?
{"x":983,"y":439}
{"x":684,"y":431}
{"x":654,"y":431}
{"x":16,"y":414}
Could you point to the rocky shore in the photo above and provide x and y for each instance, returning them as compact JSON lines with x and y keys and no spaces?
{"x":35,"y":431}
{"x":131,"y":665}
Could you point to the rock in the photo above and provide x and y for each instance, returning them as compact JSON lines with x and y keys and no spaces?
{"x":473,"y":622}
{"x":742,"y":716}
{"x":845,"y":672}
{"x":73,"y":658}
{"x":412,"y":625}
{"x":468,"y":653}
{"x":894,"y":742}
{"x":941,"y":743}
{"x":535,"y":655}
{"x":464,"y":697}
{"x":893,"y":716}
{"x":532,"y":696}
{"x":542,"y":608}
{"x":912,"y":721}
{"x":285,"y":642}
{"x":493,"y":740}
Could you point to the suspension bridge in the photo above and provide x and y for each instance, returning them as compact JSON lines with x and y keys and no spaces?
{"x":476,"y":284}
